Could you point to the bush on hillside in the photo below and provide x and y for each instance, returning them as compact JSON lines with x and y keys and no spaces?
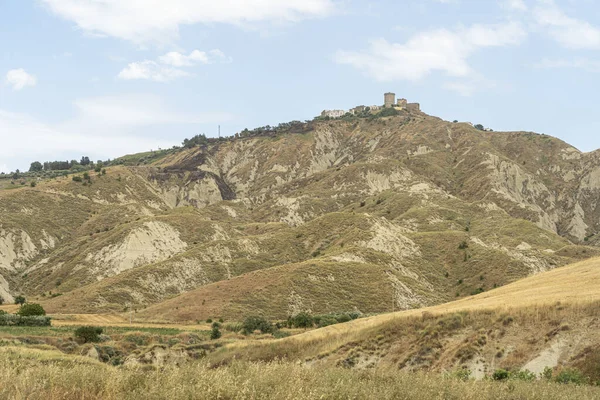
{"x":254,"y":323}
{"x":500,"y":375}
{"x":571,"y":375}
{"x":31,"y":310}
{"x":88,"y":334}
{"x":1,"y":300}
{"x":388,"y":112}
{"x":20,"y":300}
{"x":215,"y":333}
{"x":302,"y":320}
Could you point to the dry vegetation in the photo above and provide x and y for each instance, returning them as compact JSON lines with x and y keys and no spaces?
{"x":35,"y":374}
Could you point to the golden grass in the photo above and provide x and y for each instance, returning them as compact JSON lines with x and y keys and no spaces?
{"x":34,"y":374}
{"x":577,"y":285}
{"x":117,"y":320}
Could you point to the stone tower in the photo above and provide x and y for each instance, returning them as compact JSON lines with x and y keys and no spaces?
{"x":402,"y":103}
{"x":389,"y":99}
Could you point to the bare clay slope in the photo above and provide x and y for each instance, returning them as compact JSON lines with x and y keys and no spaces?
{"x":426,"y":210}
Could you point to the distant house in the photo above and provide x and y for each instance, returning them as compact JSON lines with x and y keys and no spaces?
{"x":333,"y":113}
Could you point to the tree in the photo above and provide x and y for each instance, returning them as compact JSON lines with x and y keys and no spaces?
{"x":36,"y":166}
{"x":85,"y":161}
{"x":89,"y":334}
{"x":1,"y":300}
{"x":31,"y":310}
{"x":302,"y":320}
{"x":20,"y":300}
{"x":215,"y":333}
{"x":479,"y":127}
{"x":252,"y":324}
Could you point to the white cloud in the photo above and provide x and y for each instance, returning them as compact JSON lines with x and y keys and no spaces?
{"x":569,"y":32}
{"x":177,"y":59}
{"x":168,"y":67}
{"x":518,"y":5}
{"x":158,"y":21}
{"x":103,"y":127}
{"x":579,"y":63}
{"x":438,"y":50}
{"x":19,"y":79}
{"x":151,"y":70}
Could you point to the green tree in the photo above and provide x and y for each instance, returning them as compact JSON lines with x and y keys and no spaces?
{"x":31,"y":310}
{"x":479,"y":127}
{"x":1,"y":300}
{"x":36,"y":166}
{"x":89,"y":334}
{"x":302,"y":320}
{"x":215,"y":333}
{"x":254,"y":323}
{"x":20,"y":300}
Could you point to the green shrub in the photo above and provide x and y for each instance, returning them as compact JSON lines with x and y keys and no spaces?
{"x":89,"y":334}
{"x":77,"y":178}
{"x":31,"y":310}
{"x":1,"y":300}
{"x":280,"y":334}
{"x":215,"y":333}
{"x":523,"y":375}
{"x":17,"y":320}
{"x":20,"y":300}
{"x":209,"y":321}
{"x":500,"y":375}
{"x":571,"y":375}
{"x":325,"y":320}
{"x":302,"y":320}
{"x":547,"y":373}
{"x":388,"y":112}
{"x":2,"y":312}
{"x":254,"y":323}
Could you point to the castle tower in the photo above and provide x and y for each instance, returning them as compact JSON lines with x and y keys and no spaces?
{"x":402,"y":103}
{"x":389,"y":99}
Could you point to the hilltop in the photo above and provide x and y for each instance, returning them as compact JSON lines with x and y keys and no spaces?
{"x":374,"y":214}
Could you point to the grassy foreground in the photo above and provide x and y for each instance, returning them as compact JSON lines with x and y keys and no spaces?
{"x":37,"y":374}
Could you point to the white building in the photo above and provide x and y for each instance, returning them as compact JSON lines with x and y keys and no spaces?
{"x":333,"y":113}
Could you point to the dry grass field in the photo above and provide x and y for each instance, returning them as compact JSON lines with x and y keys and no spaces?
{"x":45,"y":375}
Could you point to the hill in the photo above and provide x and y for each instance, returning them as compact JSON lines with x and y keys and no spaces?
{"x":374,"y":214}
{"x":546,"y":321}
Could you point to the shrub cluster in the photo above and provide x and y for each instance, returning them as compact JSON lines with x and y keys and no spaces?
{"x":89,"y":334}
{"x":18,"y":320}
{"x":305,"y":320}
{"x":255,"y":323}
{"x":31,"y":310}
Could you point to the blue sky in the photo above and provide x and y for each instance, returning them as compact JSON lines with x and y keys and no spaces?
{"x":109,"y":77}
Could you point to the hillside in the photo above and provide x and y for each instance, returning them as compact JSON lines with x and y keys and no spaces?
{"x":548,"y":320}
{"x":372,"y":214}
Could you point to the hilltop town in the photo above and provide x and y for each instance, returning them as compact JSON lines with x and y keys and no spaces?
{"x":389,"y":101}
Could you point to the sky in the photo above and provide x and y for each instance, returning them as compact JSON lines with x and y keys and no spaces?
{"x":104,"y":78}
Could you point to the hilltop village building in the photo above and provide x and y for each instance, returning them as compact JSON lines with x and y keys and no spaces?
{"x":389,"y":101}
